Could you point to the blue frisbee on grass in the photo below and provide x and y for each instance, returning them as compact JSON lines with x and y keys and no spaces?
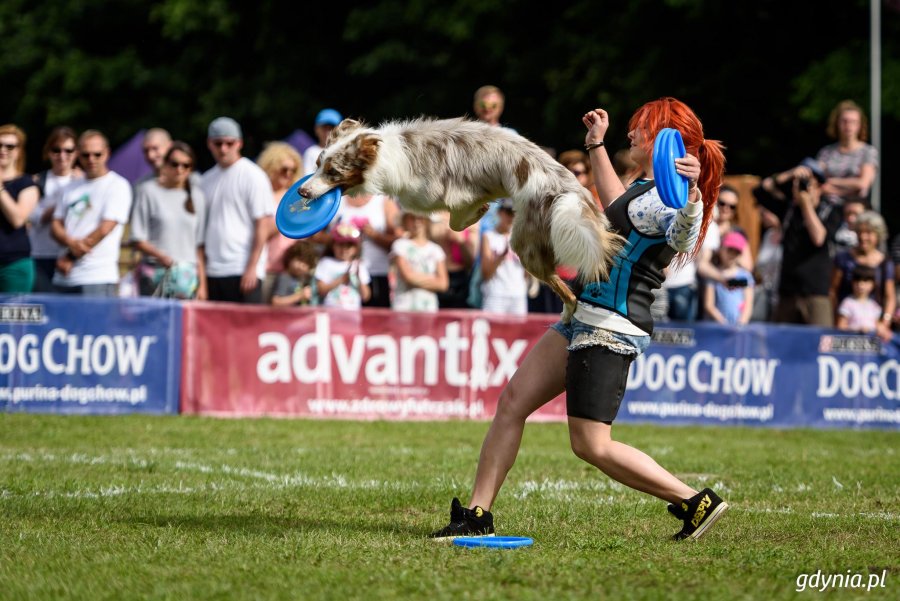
{"x":673,"y":187}
{"x":298,"y":217}
{"x":493,"y":542}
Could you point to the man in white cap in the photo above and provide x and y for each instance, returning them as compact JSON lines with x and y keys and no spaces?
{"x":239,"y":220}
{"x":326,"y":120}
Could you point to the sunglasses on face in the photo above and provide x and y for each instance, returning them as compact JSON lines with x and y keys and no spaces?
{"x":722,"y":205}
{"x":225,"y":143}
{"x":8,"y":147}
{"x":179,"y":165}
{"x":91,"y":155}
{"x":287,"y":170}
{"x":61,"y":150}
{"x":488,"y":105}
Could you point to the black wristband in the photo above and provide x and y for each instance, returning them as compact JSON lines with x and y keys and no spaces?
{"x":593,"y":145}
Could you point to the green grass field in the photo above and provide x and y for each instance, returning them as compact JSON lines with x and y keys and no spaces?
{"x":188,"y":508}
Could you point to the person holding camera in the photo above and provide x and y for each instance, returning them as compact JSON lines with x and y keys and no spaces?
{"x":809,"y":222}
{"x":730,"y":302}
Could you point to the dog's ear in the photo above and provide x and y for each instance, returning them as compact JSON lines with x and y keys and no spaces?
{"x":367,"y":146}
{"x":344,"y":127}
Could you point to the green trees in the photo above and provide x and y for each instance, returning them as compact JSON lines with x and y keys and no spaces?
{"x":763,"y":74}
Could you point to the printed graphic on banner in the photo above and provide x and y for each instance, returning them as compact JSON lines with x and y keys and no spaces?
{"x":378,"y":364}
{"x":764,"y":375}
{"x":370,"y":365}
{"x":67,"y":354}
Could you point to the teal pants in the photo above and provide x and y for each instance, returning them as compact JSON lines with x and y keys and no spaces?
{"x":17,"y":276}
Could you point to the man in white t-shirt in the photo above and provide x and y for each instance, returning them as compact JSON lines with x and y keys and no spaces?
{"x":239,"y":218}
{"x":88,"y":222}
{"x":326,"y":120}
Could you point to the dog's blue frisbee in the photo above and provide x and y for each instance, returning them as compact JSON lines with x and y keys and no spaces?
{"x":493,"y":542}
{"x":672,"y":186}
{"x":298,"y":217}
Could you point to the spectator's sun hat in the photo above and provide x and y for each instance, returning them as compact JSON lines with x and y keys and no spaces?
{"x":346,"y":233}
{"x":734,"y":240}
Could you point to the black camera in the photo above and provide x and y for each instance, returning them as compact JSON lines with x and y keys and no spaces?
{"x":803,"y":184}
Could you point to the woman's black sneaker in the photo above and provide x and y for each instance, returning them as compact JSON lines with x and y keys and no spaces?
{"x":466,"y":522}
{"x":676,"y":511}
{"x":699,"y":513}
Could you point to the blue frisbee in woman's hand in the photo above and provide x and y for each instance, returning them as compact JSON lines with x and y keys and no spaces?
{"x":495,"y":542}
{"x":673,"y":187}
{"x":299,"y":217}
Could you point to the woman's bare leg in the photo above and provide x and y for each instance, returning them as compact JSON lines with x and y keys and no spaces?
{"x":592,"y":442}
{"x":540,"y":378}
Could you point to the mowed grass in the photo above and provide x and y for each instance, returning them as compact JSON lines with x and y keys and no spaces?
{"x":192,"y":508}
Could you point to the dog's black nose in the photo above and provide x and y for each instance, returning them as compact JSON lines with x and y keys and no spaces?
{"x":303,"y":191}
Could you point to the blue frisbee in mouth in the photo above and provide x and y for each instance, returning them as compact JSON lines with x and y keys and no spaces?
{"x":673,"y":187}
{"x":299,"y":217}
{"x":493,"y":542}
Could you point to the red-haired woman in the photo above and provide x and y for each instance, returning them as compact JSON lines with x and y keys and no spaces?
{"x":589,"y":357}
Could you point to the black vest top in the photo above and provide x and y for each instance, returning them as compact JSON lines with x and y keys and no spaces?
{"x":14,"y":243}
{"x":637,"y":269}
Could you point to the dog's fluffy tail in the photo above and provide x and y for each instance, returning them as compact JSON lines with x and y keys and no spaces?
{"x":581,"y":238}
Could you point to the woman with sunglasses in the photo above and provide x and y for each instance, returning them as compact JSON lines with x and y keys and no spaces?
{"x":577,"y":162}
{"x":167,"y":227}
{"x":61,"y":151}
{"x":727,"y":220}
{"x":282,"y":164}
{"x":18,"y":197}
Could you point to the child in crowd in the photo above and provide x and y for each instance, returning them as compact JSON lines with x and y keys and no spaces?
{"x":859,"y":312}
{"x":731,"y":302}
{"x":419,"y":267}
{"x":296,"y":284}
{"x":342,"y":281}
{"x":504,"y":287}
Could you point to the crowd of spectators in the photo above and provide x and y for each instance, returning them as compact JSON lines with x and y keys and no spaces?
{"x":822,"y":258}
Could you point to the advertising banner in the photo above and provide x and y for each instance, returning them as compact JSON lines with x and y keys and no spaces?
{"x":373,"y":364}
{"x":379,"y":364}
{"x":70,"y":354}
{"x":765,"y":375}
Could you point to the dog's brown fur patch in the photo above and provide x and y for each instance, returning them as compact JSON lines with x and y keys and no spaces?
{"x":349,"y":170}
{"x":523,"y":169}
{"x":343,"y":128}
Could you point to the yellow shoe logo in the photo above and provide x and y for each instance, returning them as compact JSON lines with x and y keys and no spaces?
{"x":705,"y":502}
{"x":479,"y":512}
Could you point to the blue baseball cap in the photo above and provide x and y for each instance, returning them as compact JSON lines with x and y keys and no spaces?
{"x":328,"y":117}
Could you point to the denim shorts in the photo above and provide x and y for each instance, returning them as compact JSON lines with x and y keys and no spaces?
{"x":597,"y":369}
{"x":581,"y":335}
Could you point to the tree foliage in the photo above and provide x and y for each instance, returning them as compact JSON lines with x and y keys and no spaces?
{"x":763,"y":75}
